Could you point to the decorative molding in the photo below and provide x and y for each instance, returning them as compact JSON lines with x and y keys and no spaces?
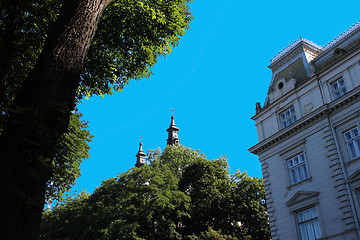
{"x":355,"y":176}
{"x":287,"y":59}
{"x":291,"y":47}
{"x":284,"y":151}
{"x":300,"y":196}
{"x":319,"y":50}
{"x":325,"y":110}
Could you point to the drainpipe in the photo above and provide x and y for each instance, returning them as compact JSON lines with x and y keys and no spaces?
{"x":341,"y":164}
{"x":345,"y":176}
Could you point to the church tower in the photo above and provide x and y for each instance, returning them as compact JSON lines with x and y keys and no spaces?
{"x":140,"y":157}
{"x":173,"y":137}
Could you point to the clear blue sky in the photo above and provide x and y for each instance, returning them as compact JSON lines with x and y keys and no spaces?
{"x":212,"y":80}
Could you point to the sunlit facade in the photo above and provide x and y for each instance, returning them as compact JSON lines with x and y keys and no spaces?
{"x":309,"y":141}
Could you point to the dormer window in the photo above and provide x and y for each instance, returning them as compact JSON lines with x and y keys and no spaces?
{"x":338,"y":88}
{"x":287,"y":117}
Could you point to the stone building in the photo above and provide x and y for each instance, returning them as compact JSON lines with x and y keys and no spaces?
{"x":309,"y":140}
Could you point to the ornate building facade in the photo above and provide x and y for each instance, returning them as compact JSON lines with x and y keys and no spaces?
{"x":309,"y":140}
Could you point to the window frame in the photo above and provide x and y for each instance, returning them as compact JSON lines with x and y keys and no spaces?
{"x":289,"y":151}
{"x":340,"y":89}
{"x":283,"y":121}
{"x":313,"y":220}
{"x":297,"y":166}
{"x":353,"y":181}
{"x":355,"y":140}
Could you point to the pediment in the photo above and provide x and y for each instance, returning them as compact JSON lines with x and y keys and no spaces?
{"x":354,"y":176}
{"x":301,"y":196}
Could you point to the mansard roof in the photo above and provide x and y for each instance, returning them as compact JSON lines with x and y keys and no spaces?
{"x":300,"y":41}
{"x":342,"y":36}
{"x":331,"y":45}
{"x":302,"y":58}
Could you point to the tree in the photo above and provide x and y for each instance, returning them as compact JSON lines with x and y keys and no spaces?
{"x":248,"y":205}
{"x":143,"y":203}
{"x":161,"y":201}
{"x":59,"y":70}
{"x":71,"y":149}
{"x":208,"y":184}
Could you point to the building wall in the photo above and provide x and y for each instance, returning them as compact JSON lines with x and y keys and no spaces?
{"x":333,"y":183}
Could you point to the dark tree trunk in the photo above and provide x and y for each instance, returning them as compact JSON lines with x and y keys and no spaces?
{"x":40,"y":115}
{"x":7,"y":36}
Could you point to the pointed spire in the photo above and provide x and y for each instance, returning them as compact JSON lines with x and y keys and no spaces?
{"x":173,"y":137}
{"x":140,"y":156}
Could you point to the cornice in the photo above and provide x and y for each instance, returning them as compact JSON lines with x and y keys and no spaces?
{"x":305,"y":121}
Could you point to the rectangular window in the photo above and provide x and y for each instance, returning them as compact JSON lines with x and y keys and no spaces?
{"x":338,"y":88}
{"x":287,"y":117}
{"x":352,"y":140}
{"x":308,"y":224}
{"x":297,"y":168}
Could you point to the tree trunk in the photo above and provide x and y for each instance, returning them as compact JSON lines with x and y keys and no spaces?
{"x":7,"y":36}
{"x":40,"y":115}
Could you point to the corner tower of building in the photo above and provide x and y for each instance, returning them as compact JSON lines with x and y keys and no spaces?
{"x":173,"y":137}
{"x":290,"y":67}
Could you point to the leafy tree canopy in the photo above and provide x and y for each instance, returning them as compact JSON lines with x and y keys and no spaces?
{"x":179,"y":195}
{"x":71,"y":149}
{"x":53,"y":53}
{"x":131,"y":36}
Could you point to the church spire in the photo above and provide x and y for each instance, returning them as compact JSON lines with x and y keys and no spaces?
{"x":140,"y":156}
{"x":173,"y":137}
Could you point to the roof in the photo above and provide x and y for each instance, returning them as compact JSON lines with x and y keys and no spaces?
{"x":292,"y":46}
{"x":336,"y":40}
{"x":343,"y":35}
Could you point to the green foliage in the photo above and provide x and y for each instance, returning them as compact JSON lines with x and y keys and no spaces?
{"x":248,"y":205}
{"x":181,"y":195}
{"x":71,"y":149}
{"x":143,"y":203}
{"x":23,"y":30}
{"x":71,"y":216}
{"x":211,"y":234}
{"x":176,"y":158}
{"x":208,"y":185}
{"x":131,"y":35}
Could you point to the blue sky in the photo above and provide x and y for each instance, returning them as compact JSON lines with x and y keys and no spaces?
{"x":212,"y":80}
